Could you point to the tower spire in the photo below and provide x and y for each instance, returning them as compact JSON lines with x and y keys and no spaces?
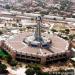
{"x":38,"y":29}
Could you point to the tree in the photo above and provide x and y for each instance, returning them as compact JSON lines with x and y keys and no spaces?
{"x":9,"y":58}
{"x":51,"y":8}
{"x":41,"y":2}
{"x":3,"y":68}
{"x":44,"y":13}
{"x":1,"y":32}
{"x":7,"y":6}
{"x":71,"y":37}
{"x":62,"y":31}
{"x":66,"y":38}
{"x":37,"y":69}
{"x":67,"y":31}
{"x":54,"y":19}
{"x":13,"y":62}
{"x":30,"y":71}
{"x":53,"y":30}
{"x":34,"y":69}
{"x":45,"y":73}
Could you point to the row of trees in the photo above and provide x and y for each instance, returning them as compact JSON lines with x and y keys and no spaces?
{"x":64,"y":32}
{"x":35,"y":69}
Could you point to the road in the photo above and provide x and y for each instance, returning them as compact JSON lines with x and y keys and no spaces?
{"x":32,"y":15}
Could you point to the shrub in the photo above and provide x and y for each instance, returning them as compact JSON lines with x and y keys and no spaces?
{"x":30,"y":71}
{"x":13,"y":62}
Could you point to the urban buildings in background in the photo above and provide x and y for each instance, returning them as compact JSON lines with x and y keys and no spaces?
{"x":30,"y":3}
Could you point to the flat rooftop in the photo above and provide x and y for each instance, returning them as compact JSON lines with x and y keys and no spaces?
{"x":58,"y":45}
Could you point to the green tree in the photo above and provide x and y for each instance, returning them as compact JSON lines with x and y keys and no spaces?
{"x":13,"y":62}
{"x":37,"y":69}
{"x":9,"y":58}
{"x":45,"y":73}
{"x":3,"y":68}
{"x":30,"y":71}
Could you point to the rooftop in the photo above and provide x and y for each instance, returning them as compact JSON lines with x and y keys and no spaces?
{"x":58,"y":45}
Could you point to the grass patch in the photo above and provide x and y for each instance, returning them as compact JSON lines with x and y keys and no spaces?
{"x":4,"y":54}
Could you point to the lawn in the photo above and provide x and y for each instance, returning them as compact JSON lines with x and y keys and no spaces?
{"x":3,"y":53}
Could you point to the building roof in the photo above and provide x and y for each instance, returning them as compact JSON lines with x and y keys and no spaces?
{"x":58,"y":45}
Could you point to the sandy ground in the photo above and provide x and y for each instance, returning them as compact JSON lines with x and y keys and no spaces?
{"x":19,"y":71}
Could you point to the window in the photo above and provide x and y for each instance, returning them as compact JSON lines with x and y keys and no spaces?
{"x":33,"y":57}
{"x":27,"y":56}
{"x":18,"y":55}
{"x":22,"y":55}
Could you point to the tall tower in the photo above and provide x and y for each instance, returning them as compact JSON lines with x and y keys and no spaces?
{"x":37,"y":40}
{"x":38,"y":30}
